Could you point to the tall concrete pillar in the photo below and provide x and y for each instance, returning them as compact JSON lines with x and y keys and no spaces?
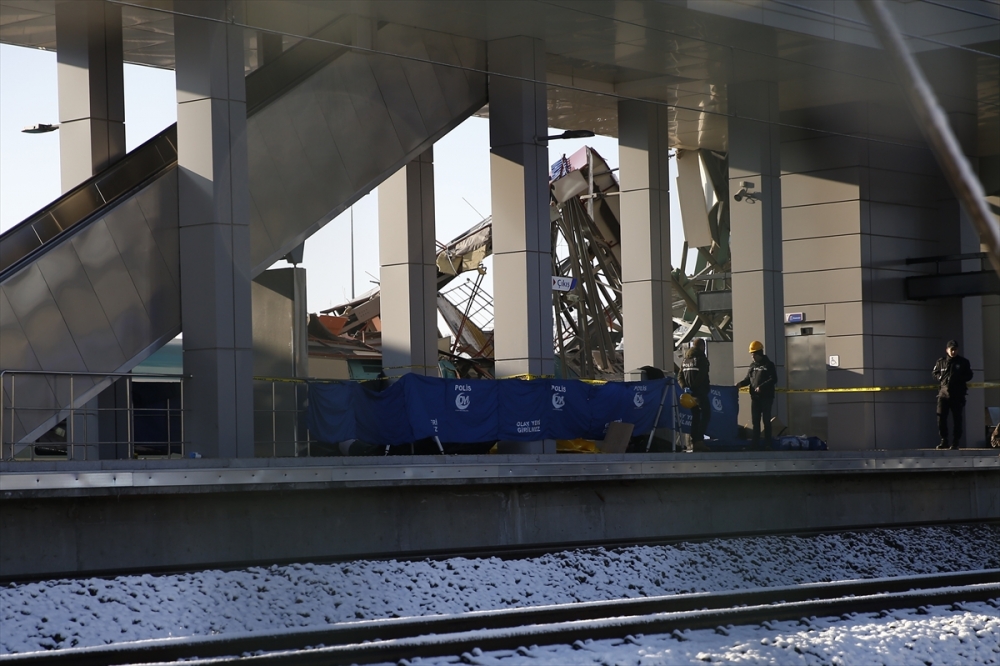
{"x":758,"y":297}
{"x":643,"y":145}
{"x":858,"y":201}
{"x":214,"y":230}
{"x":522,"y":246}
{"x":971,"y":344}
{"x":91,"y":88}
{"x":408,"y":274}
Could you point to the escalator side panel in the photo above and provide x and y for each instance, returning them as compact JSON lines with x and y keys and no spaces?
{"x":370,"y":105}
{"x":343,"y":125}
{"x":453,"y":80}
{"x":321,"y":151}
{"x":42,"y":323}
{"x":402,"y":105}
{"x":80,"y":309}
{"x":159,"y":208}
{"x":148,"y":269}
{"x":427,"y":91}
{"x":98,"y":301}
{"x":15,"y":351}
{"x":265,"y":192}
{"x":301,"y":186}
{"x":109,"y":276}
{"x":378,"y":112}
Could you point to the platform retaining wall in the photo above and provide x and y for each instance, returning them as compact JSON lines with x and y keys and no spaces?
{"x":102,"y":519}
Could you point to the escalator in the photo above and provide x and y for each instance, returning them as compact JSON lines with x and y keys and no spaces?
{"x":91,"y":283}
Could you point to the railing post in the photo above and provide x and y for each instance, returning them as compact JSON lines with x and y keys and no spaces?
{"x":170,"y":445}
{"x":182,"y":418}
{"x":128,"y":417}
{"x":2,"y":445}
{"x":71,"y":431}
{"x":274,"y":424}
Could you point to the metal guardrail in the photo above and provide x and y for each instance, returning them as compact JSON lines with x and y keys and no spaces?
{"x":76,"y":432}
{"x":284,"y":421}
{"x":79,"y":426}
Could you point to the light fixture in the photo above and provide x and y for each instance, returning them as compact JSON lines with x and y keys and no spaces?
{"x":568,"y":134}
{"x":40,"y":128}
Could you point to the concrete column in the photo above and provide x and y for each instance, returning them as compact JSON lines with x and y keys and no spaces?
{"x":643,"y":144}
{"x":519,"y":179}
{"x":408,"y":275}
{"x":972,"y":342}
{"x":91,"y":88}
{"x":214,"y":230}
{"x":758,"y":296}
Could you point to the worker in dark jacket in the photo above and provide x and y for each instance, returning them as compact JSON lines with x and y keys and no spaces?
{"x":694,"y":378}
{"x":953,"y":371}
{"x":762,"y":377}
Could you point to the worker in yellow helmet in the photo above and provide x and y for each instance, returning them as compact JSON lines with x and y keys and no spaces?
{"x":761,"y":378}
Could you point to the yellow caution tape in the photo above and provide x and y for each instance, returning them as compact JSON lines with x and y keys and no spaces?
{"x":877,"y":389}
{"x":743,"y":389}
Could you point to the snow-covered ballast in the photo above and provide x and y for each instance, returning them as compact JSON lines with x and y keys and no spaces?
{"x":521,"y":410}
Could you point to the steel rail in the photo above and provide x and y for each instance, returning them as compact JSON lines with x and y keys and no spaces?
{"x":395,"y":638}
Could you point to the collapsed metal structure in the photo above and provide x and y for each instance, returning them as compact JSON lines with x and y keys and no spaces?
{"x":586,"y":240}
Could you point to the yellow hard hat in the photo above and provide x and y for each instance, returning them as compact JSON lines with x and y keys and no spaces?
{"x":756,"y":346}
{"x":688,"y":401}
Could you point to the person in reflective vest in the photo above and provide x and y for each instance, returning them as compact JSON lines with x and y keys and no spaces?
{"x":761,"y":378}
{"x":693,"y":379}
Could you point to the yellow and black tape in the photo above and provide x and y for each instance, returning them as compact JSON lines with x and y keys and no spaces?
{"x":877,"y":389}
{"x":743,"y":389}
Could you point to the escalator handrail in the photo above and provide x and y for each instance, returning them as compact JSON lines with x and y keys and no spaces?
{"x":73,"y":210}
{"x":23,"y":241}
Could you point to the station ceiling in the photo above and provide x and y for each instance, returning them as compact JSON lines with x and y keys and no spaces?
{"x":681,"y":53}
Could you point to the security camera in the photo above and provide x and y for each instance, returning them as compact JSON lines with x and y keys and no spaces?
{"x":745,"y":192}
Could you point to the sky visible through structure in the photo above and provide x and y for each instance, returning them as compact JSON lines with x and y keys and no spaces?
{"x":29,"y":170}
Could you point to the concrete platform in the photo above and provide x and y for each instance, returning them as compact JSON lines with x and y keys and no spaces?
{"x":80,"y":518}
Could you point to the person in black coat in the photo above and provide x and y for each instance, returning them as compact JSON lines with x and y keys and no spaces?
{"x":762,"y":377}
{"x":953,"y":371}
{"x":694,"y":377}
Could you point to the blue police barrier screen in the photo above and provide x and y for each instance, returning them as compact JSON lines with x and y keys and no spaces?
{"x":331,"y":412}
{"x":470,"y":410}
{"x":523,"y":410}
{"x":455,"y":410}
{"x":725,"y":404}
{"x":632,"y":402}
{"x":568,"y":415}
{"x":381,"y":416}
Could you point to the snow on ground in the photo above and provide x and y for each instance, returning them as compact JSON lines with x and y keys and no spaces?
{"x":94,"y":611}
{"x":935,"y":635}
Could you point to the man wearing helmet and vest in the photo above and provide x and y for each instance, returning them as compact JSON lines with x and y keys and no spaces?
{"x":761,"y":378}
{"x":694,"y":379}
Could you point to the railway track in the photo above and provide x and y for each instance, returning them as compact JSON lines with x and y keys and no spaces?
{"x":392,"y":639}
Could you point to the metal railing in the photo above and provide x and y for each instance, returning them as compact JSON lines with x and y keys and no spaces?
{"x":63,"y":415}
{"x":279,"y":409}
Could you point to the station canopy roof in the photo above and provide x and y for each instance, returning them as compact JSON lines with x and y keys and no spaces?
{"x":682,"y":53}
